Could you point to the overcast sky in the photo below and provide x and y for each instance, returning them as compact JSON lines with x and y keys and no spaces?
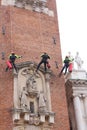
{"x":72,"y":17}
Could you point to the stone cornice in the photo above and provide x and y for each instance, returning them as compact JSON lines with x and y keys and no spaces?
{"x":75,"y":87}
{"x":76,"y":82}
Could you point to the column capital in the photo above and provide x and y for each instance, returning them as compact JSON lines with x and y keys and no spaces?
{"x":79,"y":95}
{"x":75,"y":95}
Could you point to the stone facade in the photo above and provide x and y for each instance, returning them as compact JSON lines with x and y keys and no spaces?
{"x":76,"y":91}
{"x":32,"y":101}
{"x":29,"y":33}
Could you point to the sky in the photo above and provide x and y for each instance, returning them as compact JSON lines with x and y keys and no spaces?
{"x":72,"y":20}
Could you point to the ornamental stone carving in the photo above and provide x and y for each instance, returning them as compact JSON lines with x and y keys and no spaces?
{"x":31,"y":84}
{"x":32,"y":102}
{"x":39,"y":6}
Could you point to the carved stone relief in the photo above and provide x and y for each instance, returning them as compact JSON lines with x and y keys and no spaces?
{"x":31,"y":97}
{"x":23,"y":98}
{"x":31,"y":85}
{"x":42,"y":102}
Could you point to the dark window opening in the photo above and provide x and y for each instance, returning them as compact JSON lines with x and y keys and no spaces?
{"x":32,"y":107}
{"x":70,"y":124}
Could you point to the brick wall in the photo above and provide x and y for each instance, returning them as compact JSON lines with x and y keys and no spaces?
{"x":29,"y":34}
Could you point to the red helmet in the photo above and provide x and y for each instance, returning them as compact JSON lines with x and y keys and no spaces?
{"x":12,"y":52}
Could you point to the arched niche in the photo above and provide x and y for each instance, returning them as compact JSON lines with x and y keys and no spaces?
{"x":32,"y":101}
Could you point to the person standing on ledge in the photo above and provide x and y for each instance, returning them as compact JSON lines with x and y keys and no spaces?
{"x":44,"y":60}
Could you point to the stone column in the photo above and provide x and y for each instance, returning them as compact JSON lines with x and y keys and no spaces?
{"x":85,"y":110}
{"x":78,"y":113}
{"x":85,"y":104}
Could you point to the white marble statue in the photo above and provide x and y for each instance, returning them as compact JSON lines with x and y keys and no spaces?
{"x":78,"y":61}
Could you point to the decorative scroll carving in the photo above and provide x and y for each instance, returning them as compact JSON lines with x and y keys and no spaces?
{"x":36,"y":120}
{"x":29,"y":71}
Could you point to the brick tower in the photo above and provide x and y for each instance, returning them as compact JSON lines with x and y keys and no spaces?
{"x":30,"y":100}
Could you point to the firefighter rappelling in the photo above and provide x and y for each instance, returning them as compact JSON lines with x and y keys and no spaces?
{"x":11,"y":62}
{"x":45,"y":61}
